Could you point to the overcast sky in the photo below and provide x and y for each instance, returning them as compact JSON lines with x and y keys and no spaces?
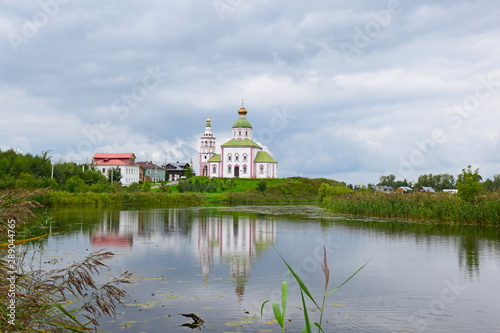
{"x":349,"y":90}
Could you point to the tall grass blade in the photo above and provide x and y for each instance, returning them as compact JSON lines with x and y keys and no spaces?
{"x":80,"y":325}
{"x":277,"y":313}
{"x":340,"y":286}
{"x":306,"y":329}
{"x":262,"y":308}
{"x":284,"y":294}
{"x":299,"y":281}
{"x":319,"y":326}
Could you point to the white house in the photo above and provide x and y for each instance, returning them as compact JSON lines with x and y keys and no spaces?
{"x":240,"y":157}
{"x":125,"y":162}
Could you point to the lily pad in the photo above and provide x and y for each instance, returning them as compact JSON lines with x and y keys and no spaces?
{"x":172,"y":296}
{"x":237,"y":323}
{"x":146,"y":305}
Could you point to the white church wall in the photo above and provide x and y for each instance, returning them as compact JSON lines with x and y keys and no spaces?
{"x":241,"y":157}
{"x":266,"y":170}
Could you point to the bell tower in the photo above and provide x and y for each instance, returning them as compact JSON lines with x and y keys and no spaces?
{"x":207,"y":149}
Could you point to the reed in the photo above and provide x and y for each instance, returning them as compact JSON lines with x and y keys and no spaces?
{"x":441,"y":207}
{"x":66,"y":299}
{"x":280,"y":315}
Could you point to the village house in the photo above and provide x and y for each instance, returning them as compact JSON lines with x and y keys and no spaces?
{"x":152,"y":172}
{"x":176,"y":170}
{"x":240,"y":157}
{"x":383,"y":188}
{"x":129,"y":170}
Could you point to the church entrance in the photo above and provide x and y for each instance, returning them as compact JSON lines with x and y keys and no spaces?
{"x":236,"y":171}
{"x":205,"y":171}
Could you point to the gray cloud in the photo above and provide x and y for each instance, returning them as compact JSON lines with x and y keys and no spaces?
{"x":357,"y":114}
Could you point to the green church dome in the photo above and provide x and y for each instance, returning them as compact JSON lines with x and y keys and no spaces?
{"x":242,"y":122}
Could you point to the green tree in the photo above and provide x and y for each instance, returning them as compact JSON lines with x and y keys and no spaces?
{"x":26,"y":180}
{"x":189,"y":172}
{"x":117,"y":174}
{"x":63,"y":171}
{"x":444,"y":181}
{"x":468,"y":184}
{"x":438,"y":182}
{"x":425,"y":180}
{"x":76,"y":185}
{"x":488,"y":185}
{"x":389,"y":180}
{"x":496,"y":182}
{"x":91,"y":176}
{"x":492,"y":185}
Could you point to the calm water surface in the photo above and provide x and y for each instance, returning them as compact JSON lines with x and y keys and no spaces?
{"x":220,"y":264}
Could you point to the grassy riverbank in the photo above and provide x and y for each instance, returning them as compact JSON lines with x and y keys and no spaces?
{"x":253,"y":191}
{"x":442,"y":207}
{"x":198,"y":191}
{"x":62,"y":198}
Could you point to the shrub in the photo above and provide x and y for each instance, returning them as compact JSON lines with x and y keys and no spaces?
{"x":146,"y":187}
{"x":76,"y":185}
{"x":329,"y":191}
{"x":261,"y":186}
{"x":164,"y":188}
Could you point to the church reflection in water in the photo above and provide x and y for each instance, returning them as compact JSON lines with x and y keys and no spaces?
{"x":226,"y":239}
{"x":232,"y":240}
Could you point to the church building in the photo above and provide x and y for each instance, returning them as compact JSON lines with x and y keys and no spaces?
{"x":240,"y":157}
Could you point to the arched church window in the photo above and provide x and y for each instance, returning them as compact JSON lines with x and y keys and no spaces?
{"x":261,"y":169}
{"x":236,"y":158}
{"x":244,"y":169}
{"x":239,"y":133}
{"x":229,"y":157}
{"x":229,"y":169}
{"x":214,"y":170}
{"x":244,"y":157}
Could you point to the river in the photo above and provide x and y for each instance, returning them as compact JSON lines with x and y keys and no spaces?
{"x":222,"y":263}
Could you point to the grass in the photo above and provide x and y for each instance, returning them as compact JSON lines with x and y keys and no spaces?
{"x":60,"y":198}
{"x":277,"y":190}
{"x":198,"y":191}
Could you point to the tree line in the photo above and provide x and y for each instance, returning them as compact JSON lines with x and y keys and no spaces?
{"x":19,"y":170}
{"x":438,"y":182}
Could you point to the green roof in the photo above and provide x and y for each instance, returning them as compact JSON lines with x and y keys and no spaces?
{"x":215,"y":158}
{"x":208,"y":125}
{"x":241,"y":143}
{"x":242,"y":122}
{"x":264,"y":157}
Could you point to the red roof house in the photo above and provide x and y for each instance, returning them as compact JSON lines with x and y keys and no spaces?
{"x":125,"y":162}
{"x":114,"y":159}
